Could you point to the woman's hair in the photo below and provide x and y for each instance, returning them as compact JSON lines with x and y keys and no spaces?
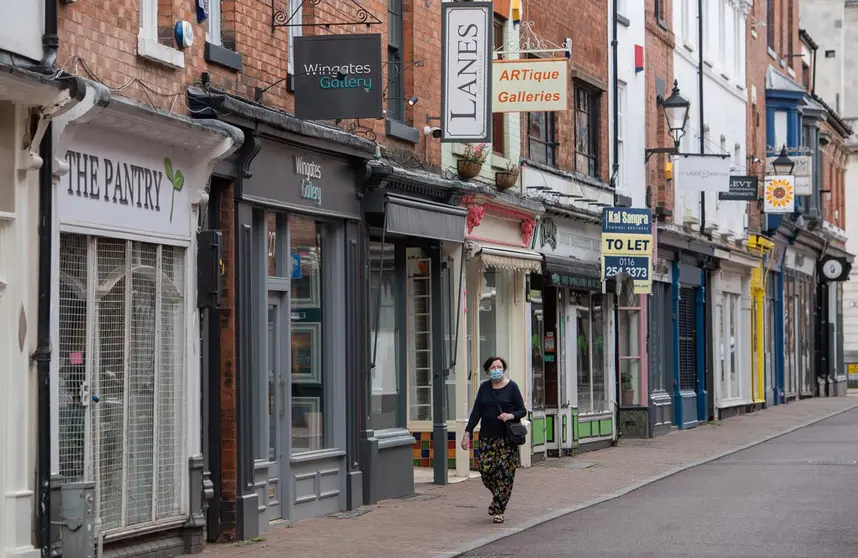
{"x":487,"y":364}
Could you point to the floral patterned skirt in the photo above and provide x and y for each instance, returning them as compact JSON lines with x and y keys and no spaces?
{"x":498,"y":461}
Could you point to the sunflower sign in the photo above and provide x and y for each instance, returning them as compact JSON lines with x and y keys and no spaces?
{"x":779,"y":194}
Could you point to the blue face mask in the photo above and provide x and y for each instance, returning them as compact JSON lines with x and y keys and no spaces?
{"x":496,"y":374}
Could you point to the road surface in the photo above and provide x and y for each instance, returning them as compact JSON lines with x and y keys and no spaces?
{"x":793,"y":496}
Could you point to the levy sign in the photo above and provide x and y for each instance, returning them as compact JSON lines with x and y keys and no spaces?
{"x":466,"y":71}
{"x":627,"y":245}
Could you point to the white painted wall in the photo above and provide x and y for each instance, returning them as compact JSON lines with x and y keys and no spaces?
{"x":632,"y":100}
{"x":825,"y":21}
{"x":724,"y":98}
{"x":21,"y":27}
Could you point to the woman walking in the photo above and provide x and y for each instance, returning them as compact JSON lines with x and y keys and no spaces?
{"x":498,"y":403}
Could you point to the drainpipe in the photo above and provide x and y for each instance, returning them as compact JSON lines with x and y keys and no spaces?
{"x":616,"y":96}
{"x":42,"y":355}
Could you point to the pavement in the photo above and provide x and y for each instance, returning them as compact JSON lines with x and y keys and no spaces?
{"x":793,"y":496}
{"x":451,"y":520}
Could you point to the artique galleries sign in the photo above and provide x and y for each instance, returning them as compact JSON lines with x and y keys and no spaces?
{"x":530,"y":85}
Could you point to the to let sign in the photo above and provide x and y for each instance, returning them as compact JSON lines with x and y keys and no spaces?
{"x":529,"y":85}
{"x":627,"y":245}
{"x":466,"y":85}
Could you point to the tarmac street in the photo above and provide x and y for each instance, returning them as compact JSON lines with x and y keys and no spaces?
{"x":793,"y":496}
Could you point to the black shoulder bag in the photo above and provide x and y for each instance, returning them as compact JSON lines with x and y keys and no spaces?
{"x":516,"y":432}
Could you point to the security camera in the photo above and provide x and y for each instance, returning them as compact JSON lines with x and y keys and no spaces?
{"x":430,"y":131}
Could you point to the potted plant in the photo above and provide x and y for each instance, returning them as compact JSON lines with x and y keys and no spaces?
{"x":506,"y":179}
{"x":628,"y":390}
{"x":472,"y":161}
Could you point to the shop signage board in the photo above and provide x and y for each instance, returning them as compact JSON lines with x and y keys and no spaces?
{"x":338,"y":77}
{"x":779,"y":194}
{"x":627,"y":245}
{"x":802,"y":172}
{"x":466,"y":71}
{"x":742,"y":188}
{"x":530,"y":84}
{"x":702,"y":173}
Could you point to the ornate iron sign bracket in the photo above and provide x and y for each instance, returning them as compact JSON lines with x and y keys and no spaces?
{"x":346,"y":12}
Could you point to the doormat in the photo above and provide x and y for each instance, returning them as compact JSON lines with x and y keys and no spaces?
{"x":566,"y":464}
{"x":349,"y":514}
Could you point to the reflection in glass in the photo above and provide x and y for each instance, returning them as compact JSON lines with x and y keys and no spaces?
{"x":272,"y":387}
{"x":450,"y":310}
{"x":308,"y":399}
{"x":585,"y":384}
{"x":494,"y":308}
{"x":600,"y":385}
{"x":384,"y":397}
{"x":537,"y":328}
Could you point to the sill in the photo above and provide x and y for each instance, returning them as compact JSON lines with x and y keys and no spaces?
{"x":398,"y":130}
{"x":791,"y":72}
{"x":754,"y":33}
{"x":709,"y":63}
{"x":316,"y":455}
{"x":740,"y":87}
{"x":725,"y":76}
{"x":162,"y":54}
{"x":499,"y":161}
{"x":687,"y":44}
{"x":623,"y":20}
{"x":224,"y":57}
{"x":772,"y":54}
{"x":663,"y":24}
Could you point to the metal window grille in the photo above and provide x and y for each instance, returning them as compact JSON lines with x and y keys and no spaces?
{"x":687,"y":349}
{"x":122,"y":361}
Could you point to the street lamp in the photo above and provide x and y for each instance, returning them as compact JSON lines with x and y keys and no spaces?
{"x":676,"y":113}
{"x":783,"y":165}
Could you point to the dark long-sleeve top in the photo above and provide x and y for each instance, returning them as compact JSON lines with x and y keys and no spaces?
{"x":486,"y":411}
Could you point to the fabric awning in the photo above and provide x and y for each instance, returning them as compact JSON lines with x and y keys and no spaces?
{"x":509,"y":258}
{"x":425,"y":219}
{"x":575,"y":274}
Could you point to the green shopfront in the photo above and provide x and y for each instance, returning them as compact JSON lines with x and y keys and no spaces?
{"x":570,"y":331}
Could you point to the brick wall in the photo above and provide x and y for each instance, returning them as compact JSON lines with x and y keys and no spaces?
{"x":588,"y":29}
{"x":835,"y":160}
{"x":228,"y":430}
{"x":757,"y":62}
{"x":98,"y":38}
{"x":658,"y":53}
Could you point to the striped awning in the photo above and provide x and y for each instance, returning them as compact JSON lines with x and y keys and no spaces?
{"x":509,"y":258}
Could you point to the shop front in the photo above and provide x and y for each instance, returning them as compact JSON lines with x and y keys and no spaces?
{"x":730,"y":299}
{"x":414,"y":257}
{"x":690,"y":275}
{"x":799,"y":296}
{"x":767,"y":294}
{"x":571,"y":395}
{"x":661,"y":345}
{"x":832,"y":271}
{"x":499,"y":264}
{"x":298,"y":277}
{"x":126,"y":369}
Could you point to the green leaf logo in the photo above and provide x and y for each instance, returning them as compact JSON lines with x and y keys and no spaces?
{"x":176,"y":178}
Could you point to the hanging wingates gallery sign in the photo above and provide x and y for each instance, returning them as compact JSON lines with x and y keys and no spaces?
{"x":466,"y":71}
{"x":338,"y":77}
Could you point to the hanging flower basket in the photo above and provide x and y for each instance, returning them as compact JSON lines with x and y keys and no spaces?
{"x":468,"y":169}
{"x":506,"y":179}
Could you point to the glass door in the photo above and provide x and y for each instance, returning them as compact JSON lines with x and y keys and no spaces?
{"x":276,"y":400}
{"x":537,"y":335}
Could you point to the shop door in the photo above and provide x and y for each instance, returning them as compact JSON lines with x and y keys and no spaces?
{"x":537,"y":336}
{"x":565,"y":376}
{"x":277,"y":360}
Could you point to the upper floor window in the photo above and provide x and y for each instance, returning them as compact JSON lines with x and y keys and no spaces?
{"x":213,"y":26}
{"x":541,"y":138}
{"x":586,"y":131}
{"x":498,"y":128}
{"x":296,"y":12}
{"x":685,"y":12}
{"x":155,"y":41}
{"x":659,"y":11}
{"x":395,"y":79}
{"x":722,"y":34}
{"x":770,"y":24}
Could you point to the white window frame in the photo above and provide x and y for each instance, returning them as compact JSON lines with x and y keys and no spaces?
{"x":183,"y":379}
{"x":147,"y":38}
{"x":622,"y":7}
{"x":734,"y":318}
{"x":621,"y":134}
{"x":722,"y":35}
{"x":296,"y":13}
{"x":685,"y":11}
{"x":213,"y":24}
{"x":739,"y":47}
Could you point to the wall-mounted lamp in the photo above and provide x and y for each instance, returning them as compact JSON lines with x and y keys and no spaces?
{"x":676,"y":113}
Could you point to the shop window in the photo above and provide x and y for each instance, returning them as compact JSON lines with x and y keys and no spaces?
{"x":537,"y":334}
{"x":309,"y":388}
{"x":419,"y":326}
{"x":451,"y":307}
{"x":729,"y":349}
{"x":385,"y":380}
{"x":629,"y":350}
{"x":687,"y":340}
{"x":122,"y":341}
{"x":494,"y":316}
{"x":586,"y":130}
{"x":541,"y":137}
{"x":590,"y":345}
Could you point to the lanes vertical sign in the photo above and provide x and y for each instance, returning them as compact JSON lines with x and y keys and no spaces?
{"x":466,"y":71}
{"x":627,"y":245}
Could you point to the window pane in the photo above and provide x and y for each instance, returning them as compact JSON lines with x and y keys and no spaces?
{"x":308,"y":386}
{"x":629,"y":347}
{"x":600,"y":387}
{"x":384,"y":397}
{"x":419,"y":327}
{"x":272,"y":382}
{"x":494,"y":316}
{"x":585,"y":383}
{"x":734,"y":346}
{"x":450,"y":309}
{"x":537,"y":332}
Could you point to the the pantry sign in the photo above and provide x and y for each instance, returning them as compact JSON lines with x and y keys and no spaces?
{"x":537,"y":85}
